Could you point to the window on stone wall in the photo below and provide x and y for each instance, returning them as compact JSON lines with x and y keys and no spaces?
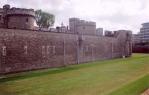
{"x":51,"y":50}
{"x":4,"y":50}
{"x":25,"y":50}
{"x":26,"y":19}
{"x":86,"y":48}
{"x":48,"y":48}
{"x":43,"y":51}
{"x":83,"y":27}
{"x":0,"y":17}
{"x":54,"y":50}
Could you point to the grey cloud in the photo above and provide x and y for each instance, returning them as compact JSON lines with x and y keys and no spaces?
{"x":63,"y":9}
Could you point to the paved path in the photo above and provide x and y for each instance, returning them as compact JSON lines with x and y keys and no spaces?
{"x":146,"y":92}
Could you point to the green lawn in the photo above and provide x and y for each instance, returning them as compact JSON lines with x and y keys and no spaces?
{"x":114,"y":77}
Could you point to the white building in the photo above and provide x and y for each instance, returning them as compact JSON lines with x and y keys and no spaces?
{"x":143,"y":35}
{"x":144,"y":32}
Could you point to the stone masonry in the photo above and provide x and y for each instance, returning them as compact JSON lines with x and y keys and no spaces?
{"x":22,"y":48}
{"x":16,"y":18}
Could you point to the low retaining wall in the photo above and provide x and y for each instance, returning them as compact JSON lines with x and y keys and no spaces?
{"x":140,"y":49}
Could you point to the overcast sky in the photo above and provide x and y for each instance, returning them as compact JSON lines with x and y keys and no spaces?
{"x":109,"y":14}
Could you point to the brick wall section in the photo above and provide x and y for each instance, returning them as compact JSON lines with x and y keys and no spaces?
{"x":23,"y":50}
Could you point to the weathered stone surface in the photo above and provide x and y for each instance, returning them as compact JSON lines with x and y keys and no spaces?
{"x":23,"y":50}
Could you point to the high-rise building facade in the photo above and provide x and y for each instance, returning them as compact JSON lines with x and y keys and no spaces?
{"x":144,"y":32}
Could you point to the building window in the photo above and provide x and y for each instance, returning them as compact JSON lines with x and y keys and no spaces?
{"x":26,"y":19}
{"x":86,"y":48}
{"x":83,"y":27}
{"x":51,"y":50}
{"x":0,"y":17}
{"x":25,"y":50}
{"x":4,"y":50}
{"x":43,"y":51}
{"x":48,"y":47}
{"x":54,"y":50}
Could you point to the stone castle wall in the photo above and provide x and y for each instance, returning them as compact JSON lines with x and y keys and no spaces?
{"x":17,"y":18}
{"x":23,"y":50}
{"x":22,"y":11}
{"x":21,"y":22}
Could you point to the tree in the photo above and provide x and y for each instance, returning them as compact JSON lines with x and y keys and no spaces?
{"x":44,"y":19}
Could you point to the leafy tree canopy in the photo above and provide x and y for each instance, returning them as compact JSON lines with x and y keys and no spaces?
{"x":44,"y":19}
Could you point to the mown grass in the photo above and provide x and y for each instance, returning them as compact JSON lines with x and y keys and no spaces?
{"x":134,"y":88}
{"x":97,"y":78}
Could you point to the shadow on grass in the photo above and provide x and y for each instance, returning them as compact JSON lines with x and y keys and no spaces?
{"x":38,"y":73}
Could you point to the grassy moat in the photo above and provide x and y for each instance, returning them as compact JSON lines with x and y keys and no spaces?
{"x":128,"y":76}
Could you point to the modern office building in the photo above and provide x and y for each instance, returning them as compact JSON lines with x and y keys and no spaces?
{"x":143,"y":35}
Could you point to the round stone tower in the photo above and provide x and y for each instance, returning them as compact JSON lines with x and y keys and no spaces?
{"x":19,"y":18}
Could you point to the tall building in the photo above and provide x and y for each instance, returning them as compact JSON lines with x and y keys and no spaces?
{"x":82,"y":27}
{"x":143,"y":35}
{"x":144,"y":32}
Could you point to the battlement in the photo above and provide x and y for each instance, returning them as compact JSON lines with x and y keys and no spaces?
{"x":74,"y":19}
{"x":20,"y":11}
{"x":81,"y":22}
{"x":17,"y":18}
{"x":88,"y":23}
{"x":82,"y":26}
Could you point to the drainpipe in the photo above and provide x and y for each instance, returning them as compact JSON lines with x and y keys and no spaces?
{"x":112,"y":48}
{"x":64,"y":50}
{"x":92,"y":47}
{"x":78,"y":50}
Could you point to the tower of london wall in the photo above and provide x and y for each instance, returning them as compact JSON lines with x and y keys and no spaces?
{"x":24,"y":50}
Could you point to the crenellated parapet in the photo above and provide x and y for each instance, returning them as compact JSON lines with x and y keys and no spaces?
{"x":17,"y":18}
{"x":82,"y":27}
{"x":20,"y":11}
